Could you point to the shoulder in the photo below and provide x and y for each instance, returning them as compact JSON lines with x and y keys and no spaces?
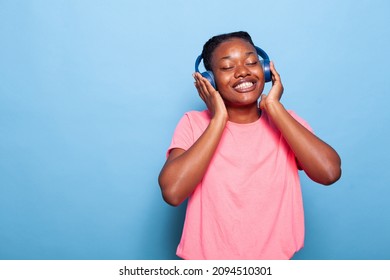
{"x":198,"y":115}
{"x":190,"y":127}
{"x":194,"y":119}
{"x":197,"y":118}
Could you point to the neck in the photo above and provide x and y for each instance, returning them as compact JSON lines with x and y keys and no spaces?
{"x":244,"y":114}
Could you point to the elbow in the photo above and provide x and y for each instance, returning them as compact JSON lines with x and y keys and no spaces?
{"x":169,"y":195}
{"x":331,"y":176}
{"x":172,"y":202}
{"x":331,"y":171}
{"x":171,"y":199}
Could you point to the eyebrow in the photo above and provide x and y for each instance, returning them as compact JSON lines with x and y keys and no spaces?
{"x":228,"y":56}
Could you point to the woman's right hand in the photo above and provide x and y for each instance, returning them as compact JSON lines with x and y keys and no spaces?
{"x":211,"y":97}
{"x":185,"y":169}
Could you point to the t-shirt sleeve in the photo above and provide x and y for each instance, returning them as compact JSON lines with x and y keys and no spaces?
{"x":183,"y":137}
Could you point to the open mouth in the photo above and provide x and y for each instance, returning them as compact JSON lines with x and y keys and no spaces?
{"x":245,"y":86}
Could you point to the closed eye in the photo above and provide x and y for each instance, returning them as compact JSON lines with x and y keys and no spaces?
{"x":252,"y":63}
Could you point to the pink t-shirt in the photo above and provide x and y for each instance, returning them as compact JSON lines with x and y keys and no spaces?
{"x":249,"y":203}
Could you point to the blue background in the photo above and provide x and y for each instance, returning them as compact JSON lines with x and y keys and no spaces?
{"x":91,"y":91}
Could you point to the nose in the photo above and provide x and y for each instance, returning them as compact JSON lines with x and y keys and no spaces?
{"x":241,"y":71}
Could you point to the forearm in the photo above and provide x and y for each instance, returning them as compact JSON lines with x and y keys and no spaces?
{"x":319,"y":160}
{"x":185,"y":169}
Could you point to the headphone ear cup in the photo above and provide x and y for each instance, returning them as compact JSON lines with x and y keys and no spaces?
{"x":210,"y":77}
{"x":267,"y":71}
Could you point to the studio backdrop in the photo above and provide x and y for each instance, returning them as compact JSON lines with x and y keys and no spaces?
{"x":91,"y":92}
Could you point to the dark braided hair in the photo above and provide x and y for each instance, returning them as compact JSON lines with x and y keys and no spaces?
{"x":215,"y":41}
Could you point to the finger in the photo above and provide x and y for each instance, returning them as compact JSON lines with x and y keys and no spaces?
{"x":201,"y":93}
{"x":263,"y":97}
{"x":209,"y":86}
{"x":203,"y":83}
{"x":198,"y":86}
{"x":275,"y":74}
{"x":199,"y":81}
{"x":196,"y":81}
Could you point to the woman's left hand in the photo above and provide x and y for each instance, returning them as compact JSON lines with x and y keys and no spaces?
{"x":276,"y":91}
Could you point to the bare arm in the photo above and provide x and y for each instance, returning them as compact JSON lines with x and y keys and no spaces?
{"x":184,"y":170}
{"x":319,"y":160}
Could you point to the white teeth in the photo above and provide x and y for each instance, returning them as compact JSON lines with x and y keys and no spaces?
{"x":244,"y":85}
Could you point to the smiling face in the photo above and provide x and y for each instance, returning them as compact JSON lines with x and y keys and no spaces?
{"x":238,"y":73}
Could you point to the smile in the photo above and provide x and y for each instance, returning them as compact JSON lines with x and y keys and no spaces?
{"x":244,"y":86}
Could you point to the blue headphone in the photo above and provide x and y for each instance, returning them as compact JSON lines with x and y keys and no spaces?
{"x":265,"y":63}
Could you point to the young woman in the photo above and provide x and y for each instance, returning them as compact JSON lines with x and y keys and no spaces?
{"x":237,"y":162}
